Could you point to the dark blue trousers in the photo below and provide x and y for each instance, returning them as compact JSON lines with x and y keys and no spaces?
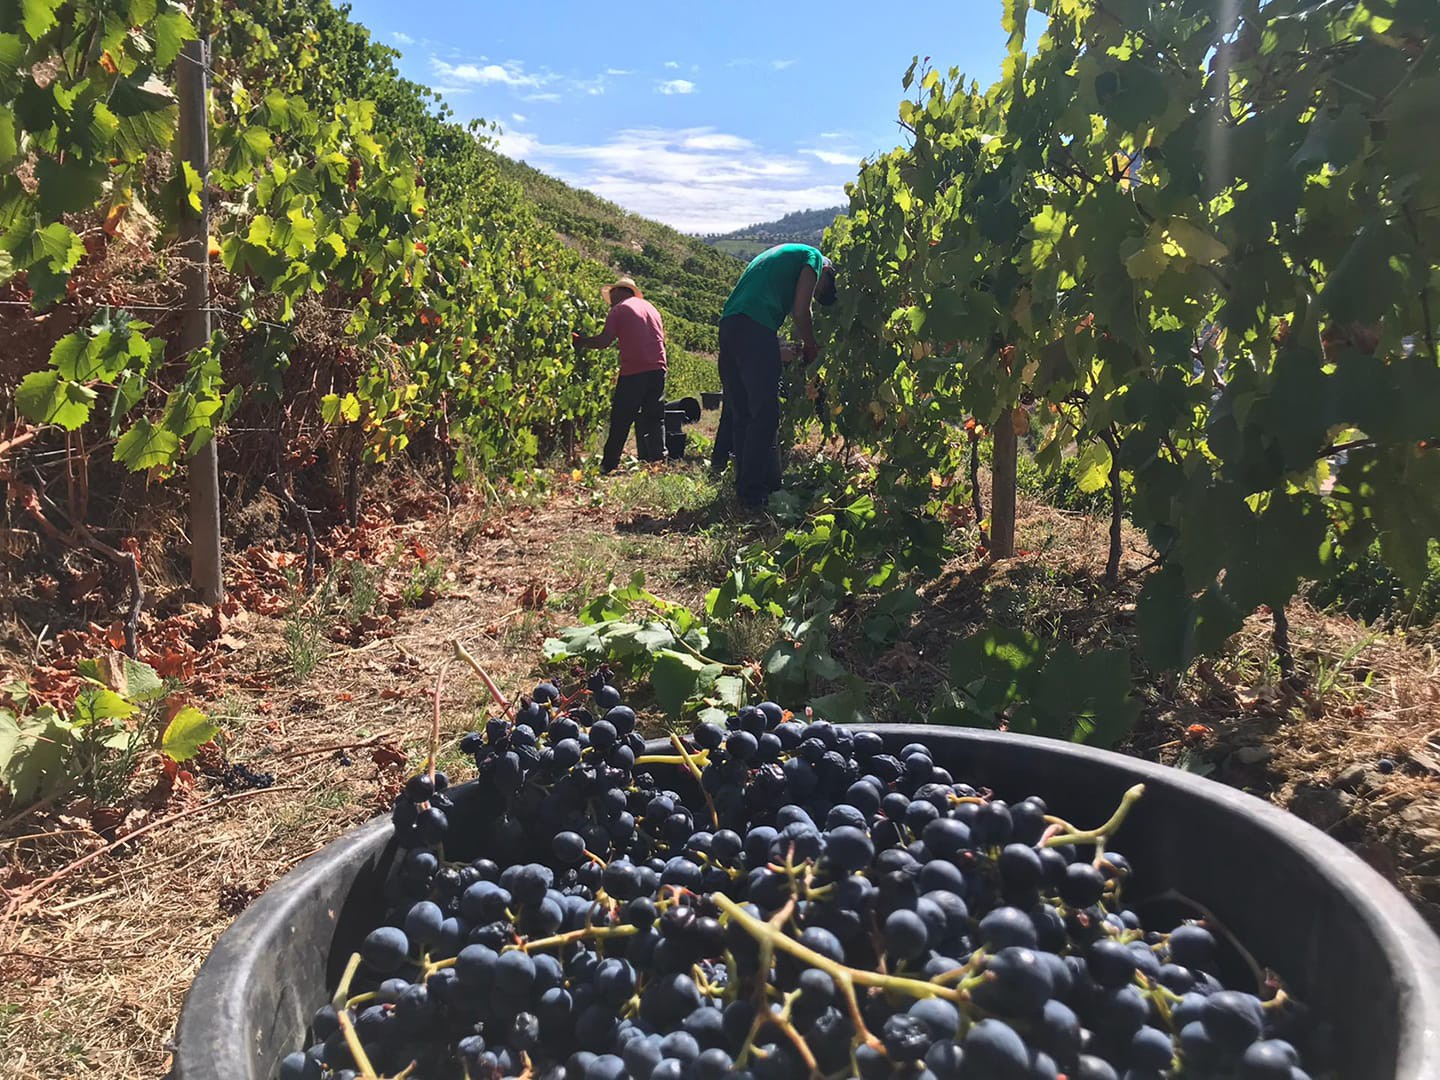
{"x":750,"y":374}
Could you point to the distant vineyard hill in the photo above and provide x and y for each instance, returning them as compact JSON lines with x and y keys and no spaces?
{"x":687,"y":279}
{"x":801,"y":227}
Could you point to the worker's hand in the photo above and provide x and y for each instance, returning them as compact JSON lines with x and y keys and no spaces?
{"x":810,"y":350}
{"x":575,"y":341}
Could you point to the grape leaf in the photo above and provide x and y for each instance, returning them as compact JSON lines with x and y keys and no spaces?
{"x":1084,"y":697}
{"x":334,"y":408}
{"x":47,"y":398}
{"x":186,"y":733}
{"x":141,"y":94}
{"x":1195,"y":242}
{"x":33,"y":754}
{"x":171,"y":28}
{"x":9,"y":141}
{"x":995,"y":664}
{"x":845,"y":706}
{"x":146,"y":445}
{"x":69,"y":187}
{"x":95,"y":703}
{"x":69,"y":357}
{"x":139,"y":133}
{"x":38,"y":17}
{"x":1164,"y":621}
{"x":55,"y":245}
{"x":1364,"y":282}
{"x":677,"y":677}
{"x":134,"y":680}
{"x":191,"y":190}
{"x":1334,"y":138}
{"x":187,"y":413}
{"x":1093,"y":467}
{"x":729,"y":690}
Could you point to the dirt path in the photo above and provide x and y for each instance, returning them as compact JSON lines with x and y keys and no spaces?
{"x":92,"y":981}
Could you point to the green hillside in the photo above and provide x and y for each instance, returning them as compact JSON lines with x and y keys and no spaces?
{"x":801,"y":227}
{"x":744,"y":250}
{"x":687,"y":279}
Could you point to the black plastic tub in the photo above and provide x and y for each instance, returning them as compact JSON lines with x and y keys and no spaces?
{"x":1342,"y":938}
{"x":712,"y":399}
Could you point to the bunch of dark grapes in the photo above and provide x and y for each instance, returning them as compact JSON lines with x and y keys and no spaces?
{"x":803,"y":900}
{"x":237,"y":776}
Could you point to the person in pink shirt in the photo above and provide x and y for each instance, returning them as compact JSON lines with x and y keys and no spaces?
{"x":639,"y":397}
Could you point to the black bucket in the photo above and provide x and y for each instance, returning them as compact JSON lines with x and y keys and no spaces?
{"x":687,"y":407}
{"x":712,"y":399}
{"x":1344,"y":940}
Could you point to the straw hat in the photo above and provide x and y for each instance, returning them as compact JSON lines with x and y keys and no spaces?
{"x":623,"y":283}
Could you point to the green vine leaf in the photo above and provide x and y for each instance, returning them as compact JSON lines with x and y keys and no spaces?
{"x":678,"y":677}
{"x":146,"y":445}
{"x":48,"y":398}
{"x":34,"y":752}
{"x":38,"y":17}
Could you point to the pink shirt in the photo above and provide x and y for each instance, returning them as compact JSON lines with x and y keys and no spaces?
{"x":636,"y":325}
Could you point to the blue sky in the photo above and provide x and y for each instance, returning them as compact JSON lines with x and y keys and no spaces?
{"x":705,"y":115}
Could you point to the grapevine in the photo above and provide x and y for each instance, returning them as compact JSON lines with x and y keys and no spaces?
{"x":1200,"y":245}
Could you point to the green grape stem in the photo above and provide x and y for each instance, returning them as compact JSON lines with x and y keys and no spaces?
{"x":351,"y":967}
{"x":1103,"y":832}
{"x":693,"y":763}
{"x":357,"y":1051}
{"x":772,"y":935}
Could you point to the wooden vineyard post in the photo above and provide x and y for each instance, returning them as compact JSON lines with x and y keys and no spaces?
{"x":1002,"y":493}
{"x":192,"y":83}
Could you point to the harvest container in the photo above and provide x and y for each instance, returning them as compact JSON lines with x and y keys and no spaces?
{"x":1343,"y":939}
{"x":712,"y":399}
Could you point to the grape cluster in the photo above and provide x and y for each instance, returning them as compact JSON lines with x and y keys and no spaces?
{"x":798,"y":902}
{"x":237,"y":776}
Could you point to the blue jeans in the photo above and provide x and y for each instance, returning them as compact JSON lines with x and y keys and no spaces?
{"x":750,"y":374}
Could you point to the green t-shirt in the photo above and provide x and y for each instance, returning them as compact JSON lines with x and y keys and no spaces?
{"x":766,"y":290}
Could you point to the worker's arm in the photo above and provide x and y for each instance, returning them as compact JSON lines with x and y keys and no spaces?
{"x":601,"y":340}
{"x":804,"y":324}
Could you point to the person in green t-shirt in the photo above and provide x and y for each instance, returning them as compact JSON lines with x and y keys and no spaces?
{"x":778,"y":283}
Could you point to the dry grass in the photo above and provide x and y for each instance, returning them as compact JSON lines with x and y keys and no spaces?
{"x":91,"y":983}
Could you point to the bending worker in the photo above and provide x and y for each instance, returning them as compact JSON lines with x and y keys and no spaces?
{"x":639,"y":396}
{"x":779,"y":282}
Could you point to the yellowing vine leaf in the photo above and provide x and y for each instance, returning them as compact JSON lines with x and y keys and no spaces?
{"x":186,"y":733}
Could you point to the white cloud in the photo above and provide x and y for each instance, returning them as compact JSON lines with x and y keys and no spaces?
{"x":402,"y":38}
{"x":452,"y":91}
{"x":518,"y":118}
{"x":677,"y":86}
{"x":673,"y":65}
{"x":830,"y":157}
{"x":717,"y":141}
{"x":832,"y":135}
{"x":618,"y":72}
{"x":511,"y":73}
{"x":696,"y":179}
{"x":781,"y":65}
{"x":515,"y":145}
{"x":550,"y":97}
